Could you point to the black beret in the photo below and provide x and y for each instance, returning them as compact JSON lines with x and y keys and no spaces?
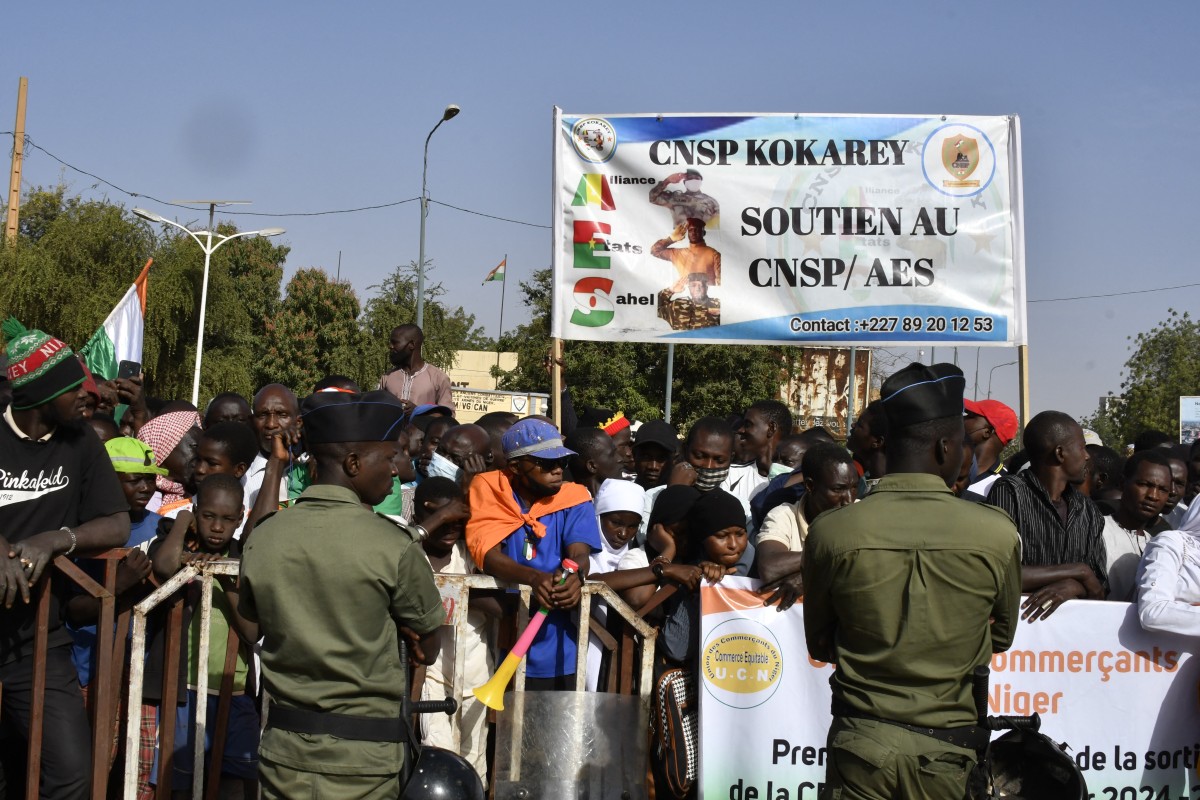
{"x":919,"y":393}
{"x":340,"y":417}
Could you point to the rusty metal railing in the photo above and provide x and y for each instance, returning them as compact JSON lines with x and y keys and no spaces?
{"x":110,"y":645}
{"x":206,"y":573}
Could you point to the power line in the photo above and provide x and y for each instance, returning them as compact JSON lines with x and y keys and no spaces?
{"x":490,"y":216}
{"x":1113,"y":294}
{"x":124,"y":191}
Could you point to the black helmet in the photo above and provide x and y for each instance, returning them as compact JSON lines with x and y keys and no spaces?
{"x":1031,"y":766}
{"x":442,"y":775}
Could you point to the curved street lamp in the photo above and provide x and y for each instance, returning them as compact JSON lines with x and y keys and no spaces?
{"x":450,"y":113}
{"x":993,"y":370}
{"x":209,"y":248}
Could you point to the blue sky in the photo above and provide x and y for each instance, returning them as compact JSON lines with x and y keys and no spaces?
{"x":307,"y":106}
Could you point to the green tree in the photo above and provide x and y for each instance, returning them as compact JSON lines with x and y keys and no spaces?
{"x":1105,"y":425}
{"x":1165,"y":365}
{"x":631,"y":376}
{"x":74,"y":259}
{"x":71,"y":263}
{"x":315,"y":333}
{"x":394,"y":302}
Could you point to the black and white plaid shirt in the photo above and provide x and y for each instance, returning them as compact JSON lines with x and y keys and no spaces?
{"x":1045,"y":540}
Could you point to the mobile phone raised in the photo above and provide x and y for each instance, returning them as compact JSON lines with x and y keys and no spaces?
{"x":129,"y":369}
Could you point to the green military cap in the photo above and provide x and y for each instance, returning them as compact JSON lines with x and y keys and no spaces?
{"x":339,"y":417}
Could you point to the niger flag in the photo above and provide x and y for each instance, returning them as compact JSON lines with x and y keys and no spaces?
{"x":120,"y":337}
{"x":497,"y":274}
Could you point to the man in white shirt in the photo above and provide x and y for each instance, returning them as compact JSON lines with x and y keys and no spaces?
{"x":763,"y":425}
{"x":276,"y":413}
{"x":1147,"y":482}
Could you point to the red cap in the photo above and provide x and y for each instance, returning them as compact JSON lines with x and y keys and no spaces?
{"x":1002,"y":418}
{"x":569,"y":565}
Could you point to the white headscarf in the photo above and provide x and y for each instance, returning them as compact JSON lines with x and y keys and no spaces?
{"x":615,"y":495}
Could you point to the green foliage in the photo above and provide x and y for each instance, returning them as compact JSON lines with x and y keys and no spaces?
{"x":395,"y":303}
{"x":74,"y":259}
{"x":60,"y":274}
{"x":315,"y":334}
{"x":630,"y":376}
{"x":1164,"y":366}
{"x":1105,"y":425}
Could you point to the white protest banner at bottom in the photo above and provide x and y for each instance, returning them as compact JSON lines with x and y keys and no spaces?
{"x":1122,"y":698}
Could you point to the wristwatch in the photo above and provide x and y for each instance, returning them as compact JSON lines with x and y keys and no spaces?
{"x":659,"y":571}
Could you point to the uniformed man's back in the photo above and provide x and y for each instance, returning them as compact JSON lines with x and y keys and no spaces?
{"x":911,"y":571}
{"x":333,"y":587}
{"x":907,"y":593}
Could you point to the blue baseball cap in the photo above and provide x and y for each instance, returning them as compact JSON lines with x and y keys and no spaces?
{"x":430,"y":408}
{"x":534,"y":437}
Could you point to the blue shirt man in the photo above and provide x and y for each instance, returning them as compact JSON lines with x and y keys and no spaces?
{"x":524,"y":521}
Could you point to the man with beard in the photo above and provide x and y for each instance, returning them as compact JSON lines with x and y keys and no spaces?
{"x":60,"y":496}
{"x":697,"y":257}
{"x":524,"y":521}
{"x":276,"y":415}
{"x":412,"y":381}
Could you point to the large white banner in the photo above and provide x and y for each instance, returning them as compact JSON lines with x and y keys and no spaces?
{"x":1124,"y":700}
{"x":744,"y":229}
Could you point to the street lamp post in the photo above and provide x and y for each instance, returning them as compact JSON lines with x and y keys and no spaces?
{"x":992,"y":371}
{"x":450,"y":112}
{"x":209,"y":248}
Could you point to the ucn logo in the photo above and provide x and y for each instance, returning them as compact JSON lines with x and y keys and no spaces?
{"x":741,"y":663}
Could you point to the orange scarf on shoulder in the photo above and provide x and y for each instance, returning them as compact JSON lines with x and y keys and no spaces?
{"x":495,"y":513}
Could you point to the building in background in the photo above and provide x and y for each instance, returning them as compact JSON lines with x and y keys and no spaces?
{"x":474,"y":388}
{"x":818,"y":385}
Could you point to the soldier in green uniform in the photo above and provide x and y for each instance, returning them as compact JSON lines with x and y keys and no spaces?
{"x":695,"y":310}
{"x":691,"y":202}
{"x":333,"y":587}
{"x":899,"y":591}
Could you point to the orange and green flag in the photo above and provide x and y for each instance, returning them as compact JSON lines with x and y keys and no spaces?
{"x":497,"y":274}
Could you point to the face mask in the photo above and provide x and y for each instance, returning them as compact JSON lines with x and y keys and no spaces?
{"x":692,"y":186}
{"x":442,"y":467}
{"x":709,"y":479}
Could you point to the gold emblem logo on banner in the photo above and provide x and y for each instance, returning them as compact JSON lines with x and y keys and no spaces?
{"x":960,"y":157}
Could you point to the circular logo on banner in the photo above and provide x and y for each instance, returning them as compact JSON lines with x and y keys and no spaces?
{"x":958,"y":160}
{"x":595,"y":140}
{"x":741,"y":663}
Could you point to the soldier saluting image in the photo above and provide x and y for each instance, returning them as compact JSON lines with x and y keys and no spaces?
{"x":691,"y":202}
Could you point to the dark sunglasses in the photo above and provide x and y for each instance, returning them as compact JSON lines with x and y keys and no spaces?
{"x":547,"y":464}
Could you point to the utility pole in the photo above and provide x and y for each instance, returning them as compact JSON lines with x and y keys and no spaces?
{"x":14,"y":181}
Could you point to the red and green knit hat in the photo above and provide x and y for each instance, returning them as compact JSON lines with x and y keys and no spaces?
{"x":40,"y":367}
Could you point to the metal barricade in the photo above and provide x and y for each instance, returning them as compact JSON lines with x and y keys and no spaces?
{"x":456,"y":590}
{"x":109,"y":667}
{"x":206,"y":573}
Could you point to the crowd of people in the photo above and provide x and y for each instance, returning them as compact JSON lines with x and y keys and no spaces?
{"x":343,"y":504}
